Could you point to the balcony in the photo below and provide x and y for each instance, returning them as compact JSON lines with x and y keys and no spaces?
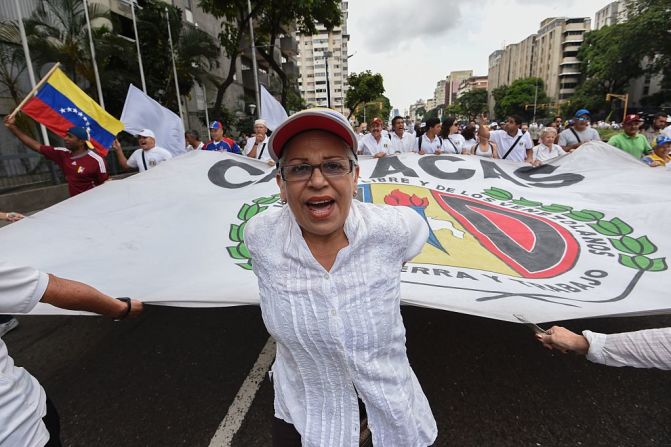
{"x":566,"y":92}
{"x":569,"y":72}
{"x":289,"y":46}
{"x":572,"y":47}
{"x":570,"y":61}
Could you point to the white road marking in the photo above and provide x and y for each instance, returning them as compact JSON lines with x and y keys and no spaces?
{"x":243,"y":400}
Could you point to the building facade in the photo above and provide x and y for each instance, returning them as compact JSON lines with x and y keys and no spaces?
{"x":322,"y":64}
{"x":452,"y":86}
{"x":471,"y":84}
{"x":550,"y":54}
{"x":439,"y":94}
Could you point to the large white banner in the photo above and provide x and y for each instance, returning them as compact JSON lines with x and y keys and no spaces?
{"x":587,"y":235}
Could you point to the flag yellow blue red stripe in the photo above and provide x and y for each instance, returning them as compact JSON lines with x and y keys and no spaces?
{"x":60,"y":104}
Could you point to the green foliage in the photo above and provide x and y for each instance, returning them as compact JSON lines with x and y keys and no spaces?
{"x":512,"y":99}
{"x":364,"y":87}
{"x":379,"y":107}
{"x":473,"y":103}
{"x":614,"y":55}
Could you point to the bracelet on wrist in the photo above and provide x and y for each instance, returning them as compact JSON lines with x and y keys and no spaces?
{"x":125,"y":313}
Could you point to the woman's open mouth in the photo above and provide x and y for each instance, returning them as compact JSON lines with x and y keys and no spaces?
{"x":320,"y":208}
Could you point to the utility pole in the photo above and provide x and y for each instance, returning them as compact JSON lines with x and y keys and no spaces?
{"x":254,"y":65}
{"x":174,"y":67}
{"x":535,"y":100}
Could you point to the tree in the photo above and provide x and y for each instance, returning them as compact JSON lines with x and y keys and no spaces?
{"x":378,"y":107}
{"x":518,"y":98}
{"x":473,"y":103}
{"x":277,"y":16}
{"x":364,"y":87}
{"x":235,"y":17}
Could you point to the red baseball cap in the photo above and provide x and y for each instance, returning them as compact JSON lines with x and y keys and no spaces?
{"x":632,"y":118}
{"x":327,"y":120}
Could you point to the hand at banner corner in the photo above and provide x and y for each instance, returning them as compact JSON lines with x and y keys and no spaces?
{"x":560,"y":338}
{"x":136,"y":307}
{"x":116,"y":145}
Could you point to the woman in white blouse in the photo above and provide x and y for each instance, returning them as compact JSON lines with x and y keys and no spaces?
{"x":546,"y":150}
{"x":329,"y":269}
{"x":453,"y":142}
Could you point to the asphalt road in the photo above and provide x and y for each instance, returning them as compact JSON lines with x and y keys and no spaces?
{"x":168,"y":378}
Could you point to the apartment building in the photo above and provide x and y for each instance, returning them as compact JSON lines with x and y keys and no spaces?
{"x":471,"y":84}
{"x":550,"y":54}
{"x":322,"y":65}
{"x":609,"y":15}
{"x":439,"y":94}
{"x":454,"y":79}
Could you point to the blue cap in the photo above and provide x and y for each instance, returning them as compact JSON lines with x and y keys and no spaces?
{"x":662,"y":139}
{"x":582,"y":112}
{"x":80,"y":133}
{"x":216,"y":125}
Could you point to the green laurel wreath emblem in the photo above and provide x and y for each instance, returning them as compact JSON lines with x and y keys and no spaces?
{"x":634,"y":252}
{"x":237,"y":231}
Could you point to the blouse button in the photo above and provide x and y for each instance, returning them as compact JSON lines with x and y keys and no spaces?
{"x":333,"y":312}
{"x":327,"y":276}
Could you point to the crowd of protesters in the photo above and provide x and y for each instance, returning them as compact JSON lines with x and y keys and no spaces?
{"x":514,"y":139}
{"x":28,"y":417}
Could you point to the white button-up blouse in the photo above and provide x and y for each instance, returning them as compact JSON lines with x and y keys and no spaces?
{"x":340,"y":333}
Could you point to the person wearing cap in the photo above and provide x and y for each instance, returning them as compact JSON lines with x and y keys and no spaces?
{"x":257,"y":146}
{"x":630,"y":140}
{"x":146,"y":157}
{"x":329,"y":271}
{"x":27,"y":416}
{"x":374,"y":143}
{"x":660,"y":153}
{"x":580,"y":132}
{"x":83,"y":168}
{"x":659,"y":122}
{"x":219,"y":142}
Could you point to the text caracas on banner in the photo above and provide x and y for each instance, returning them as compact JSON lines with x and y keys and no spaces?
{"x":565,"y":240}
{"x":60,"y":104}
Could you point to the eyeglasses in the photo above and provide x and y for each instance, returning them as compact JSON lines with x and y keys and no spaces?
{"x":303,"y":171}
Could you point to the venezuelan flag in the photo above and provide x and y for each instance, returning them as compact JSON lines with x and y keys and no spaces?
{"x":60,"y":104}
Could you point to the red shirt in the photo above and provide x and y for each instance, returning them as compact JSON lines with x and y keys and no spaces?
{"x":82,"y":172}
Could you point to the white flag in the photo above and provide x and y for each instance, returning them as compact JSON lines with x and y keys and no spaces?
{"x":271,"y":110}
{"x":142,"y":112}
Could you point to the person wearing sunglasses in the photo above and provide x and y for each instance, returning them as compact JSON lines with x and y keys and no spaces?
{"x":572,"y":137}
{"x":329,"y":271}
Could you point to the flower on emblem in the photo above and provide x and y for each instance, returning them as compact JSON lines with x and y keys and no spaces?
{"x":398,"y":198}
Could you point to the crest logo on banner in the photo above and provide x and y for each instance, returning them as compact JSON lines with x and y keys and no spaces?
{"x":523,"y":248}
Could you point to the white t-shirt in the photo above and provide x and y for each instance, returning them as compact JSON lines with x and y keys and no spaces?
{"x":403,"y":144}
{"x":504,"y":141}
{"x":153,"y":157}
{"x":22,"y":399}
{"x":468,"y":144}
{"x":190,"y":148}
{"x":544,"y":153}
{"x":369,"y":146}
{"x":566,"y":136}
{"x":454,"y":144}
{"x":428,"y":146}
{"x":262,"y":150}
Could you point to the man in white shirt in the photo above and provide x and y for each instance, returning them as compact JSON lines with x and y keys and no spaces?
{"x":572,"y":137}
{"x":429,"y":142}
{"x":27,"y":417}
{"x":375,"y":143}
{"x":146,"y":157}
{"x":511,"y":143}
{"x":193,"y":142}
{"x":401,"y":141}
{"x":257,"y":145}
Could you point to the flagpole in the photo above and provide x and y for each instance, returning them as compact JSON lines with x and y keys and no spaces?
{"x":32,"y":92}
{"x":93,"y":56}
{"x":137,"y":45}
{"x":207,"y":115}
{"x":254,"y":65}
{"x":31,"y":73}
{"x":174,"y":67}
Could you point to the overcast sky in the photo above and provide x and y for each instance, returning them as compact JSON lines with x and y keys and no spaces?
{"x":414,"y":44}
